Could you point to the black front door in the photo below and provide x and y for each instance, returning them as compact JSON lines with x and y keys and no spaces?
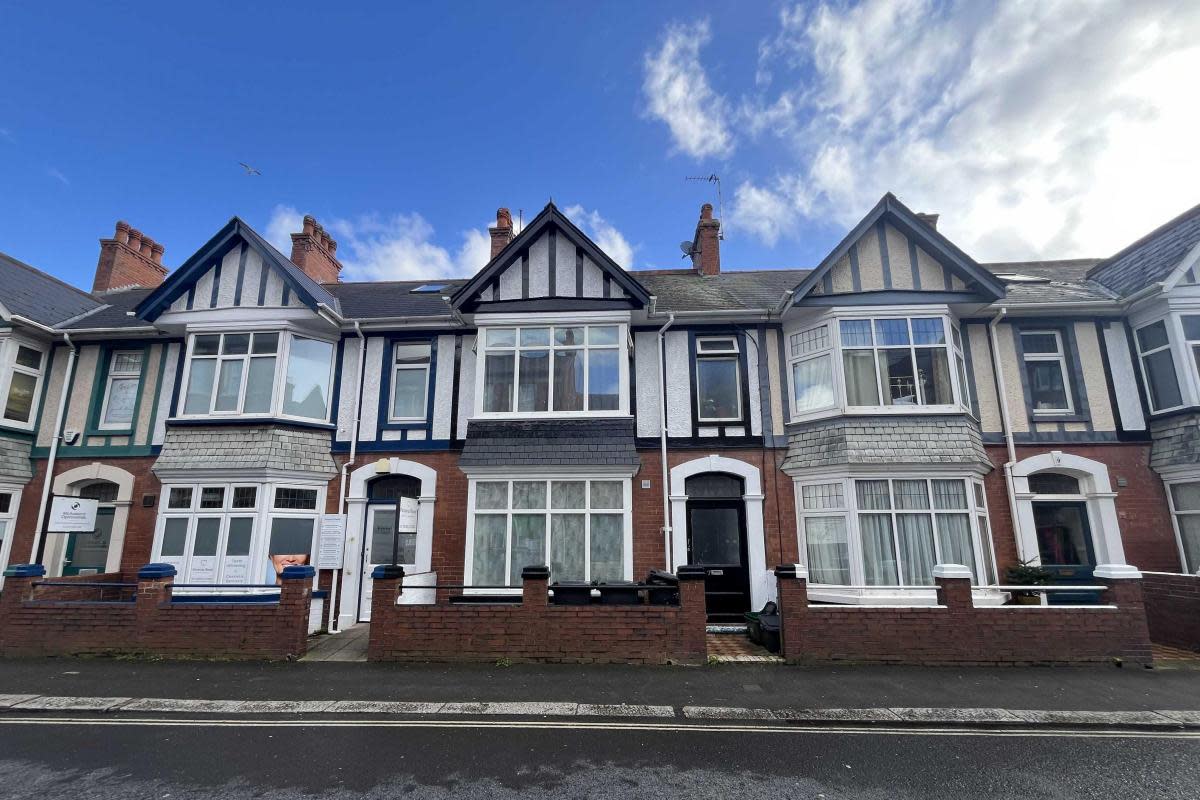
{"x":717,"y":542}
{"x":1066,"y":549}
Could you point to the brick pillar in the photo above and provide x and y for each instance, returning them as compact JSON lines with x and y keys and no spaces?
{"x":154,"y":583}
{"x":535,"y":605}
{"x":18,"y":588}
{"x":295,"y":603}
{"x":1124,"y":590}
{"x":535,"y":587}
{"x":693,"y":617}
{"x":792,"y":582}
{"x":386,"y":581}
{"x":954,"y":587}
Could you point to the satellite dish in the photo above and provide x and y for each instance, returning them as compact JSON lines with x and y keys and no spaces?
{"x":686,"y":247}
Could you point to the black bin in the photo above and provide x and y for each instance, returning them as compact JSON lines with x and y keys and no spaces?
{"x":618,"y":593}
{"x":758,"y":629}
{"x":663,"y":588}
{"x":572,"y":593}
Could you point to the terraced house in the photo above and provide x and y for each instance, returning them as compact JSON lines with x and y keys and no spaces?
{"x":897,"y":406}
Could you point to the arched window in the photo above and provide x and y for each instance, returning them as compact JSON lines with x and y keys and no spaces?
{"x":104,"y":491}
{"x":714,"y":484}
{"x":393,"y":487}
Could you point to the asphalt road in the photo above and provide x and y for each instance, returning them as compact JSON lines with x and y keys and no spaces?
{"x":497,"y":759}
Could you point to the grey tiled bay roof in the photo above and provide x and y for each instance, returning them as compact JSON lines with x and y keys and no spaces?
{"x":550,"y":443}
{"x":1151,"y":258}
{"x":894,"y":440}
{"x":29,"y":292}
{"x":249,"y":447}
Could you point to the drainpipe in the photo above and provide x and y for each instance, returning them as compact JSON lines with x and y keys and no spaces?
{"x":1008,"y":434}
{"x":362,"y":357}
{"x":662,"y":399}
{"x":35,"y":555}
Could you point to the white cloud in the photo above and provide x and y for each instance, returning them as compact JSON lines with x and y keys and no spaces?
{"x":602,"y":232}
{"x":397,"y":247}
{"x":678,"y":93}
{"x":1049,"y":129}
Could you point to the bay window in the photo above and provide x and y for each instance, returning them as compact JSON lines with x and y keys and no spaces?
{"x":23,"y":364}
{"x":579,"y":527}
{"x":1045,"y":364}
{"x":230,"y":533}
{"x":239,"y":373}
{"x":812,"y":369}
{"x":718,"y":379}
{"x":1158,"y":366}
{"x":882,"y":532}
{"x":552,"y":369}
{"x":410,"y":381}
{"x":1185,"y":507}
{"x":896,"y":362}
{"x":121,"y":389}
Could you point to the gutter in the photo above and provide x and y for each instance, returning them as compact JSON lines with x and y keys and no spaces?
{"x":358,"y":381}
{"x":1006,"y":421}
{"x":35,"y":555}
{"x":662,"y":401}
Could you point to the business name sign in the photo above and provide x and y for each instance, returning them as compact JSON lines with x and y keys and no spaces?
{"x":72,"y":515}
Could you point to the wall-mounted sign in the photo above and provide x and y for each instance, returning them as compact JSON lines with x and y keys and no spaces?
{"x":331,"y":542}
{"x":72,"y":515}
{"x":406,"y":519}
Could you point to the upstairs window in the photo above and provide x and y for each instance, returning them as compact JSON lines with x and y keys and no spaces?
{"x":239,"y":373}
{"x":896,"y":362}
{"x":121,"y":389}
{"x":1046,"y":372}
{"x":812,"y":369}
{"x":718,"y":379}
{"x":559,"y":368}
{"x":1158,"y":368}
{"x":410,"y":381}
{"x":24,"y":379}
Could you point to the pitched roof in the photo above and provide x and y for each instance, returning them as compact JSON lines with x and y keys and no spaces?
{"x":1062,"y":281}
{"x":31,"y":293}
{"x":374,"y":299}
{"x":688,"y":290}
{"x":1151,"y":258}
{"x":113,"y":313}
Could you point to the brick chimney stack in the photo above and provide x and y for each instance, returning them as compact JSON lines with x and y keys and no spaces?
{"x":128,"y":259}
{"x":502,"y":231}
{"x":315,"y":252}
{"x":929,"y":219}
{"x":706,"y":245}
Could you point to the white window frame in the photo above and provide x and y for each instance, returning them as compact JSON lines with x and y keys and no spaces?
{"x":959,"y":367}
{"x":908,"y":315}
{"x":799,"y":354}
{"x":583,"y":320}
{"x":282,"y":356}
{"x":426,"y":367}
{"x":114,"y":376}
{"x":8,"y":519}
{"x":1175,"y":515}
{"x":731,"y":353}
{"x":261,"y":513}
{"x":858,"y":591}
{"x":626,"y":511}
{"x":1059,"y":357}
{"x":12,"y":344}
{"x":1167,"y":324}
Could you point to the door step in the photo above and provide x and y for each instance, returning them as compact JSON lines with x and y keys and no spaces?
{"x":728,"y":628}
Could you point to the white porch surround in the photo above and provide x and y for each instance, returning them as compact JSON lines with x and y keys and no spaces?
{"x":71,"y":483}
{"x":1096,"y":492}
{"x":356,"y":507}
{"x":762,"y":580}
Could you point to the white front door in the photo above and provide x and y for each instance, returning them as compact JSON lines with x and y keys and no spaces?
{"x":377,"y":549}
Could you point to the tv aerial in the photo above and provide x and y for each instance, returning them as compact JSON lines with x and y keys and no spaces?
{"x":716,"y":179}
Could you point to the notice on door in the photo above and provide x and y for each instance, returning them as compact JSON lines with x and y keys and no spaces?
{"x":332,"y":541}
{"x":72,"y":515}
{"x":406,"y":519}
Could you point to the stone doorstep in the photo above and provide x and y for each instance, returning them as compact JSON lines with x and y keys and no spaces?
{"x":951,"y":717}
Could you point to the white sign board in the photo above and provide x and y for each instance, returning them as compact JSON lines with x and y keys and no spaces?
{"x":407,"y":520}
{"x":72,"y":515}
{"x":332,"y":541}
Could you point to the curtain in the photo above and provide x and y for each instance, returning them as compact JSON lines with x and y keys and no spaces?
{"x":607,"y":547}
{"x":954,"y":537}
{"x":917,"y":553}
{"x":861,"y":388}
{"x":828,"y":552}
{"x":872,"y":495}
{"x":879,"y":556}
{"x":567,"y":551}
{"x":528,"y":544}
{"x":813,"y":383}
{"x":487,"y":566}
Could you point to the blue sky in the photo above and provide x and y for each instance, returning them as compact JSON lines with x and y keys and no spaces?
{"x":1051,"y":129}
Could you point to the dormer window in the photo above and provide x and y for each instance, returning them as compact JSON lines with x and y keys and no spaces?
{"x":718,"y":379}
{"x":552,"y":369}
{"x":230,"y":374}
{"x":23,"y":364}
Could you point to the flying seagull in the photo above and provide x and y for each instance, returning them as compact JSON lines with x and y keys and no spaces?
{"x":249,"y":169}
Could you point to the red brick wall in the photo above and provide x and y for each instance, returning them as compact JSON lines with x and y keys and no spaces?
{"x":537,"y":631}
{"x":1173,"y":608}
{"x":1146,"y":530}
{"x":958,"y":633}
{"x":31,"y":625}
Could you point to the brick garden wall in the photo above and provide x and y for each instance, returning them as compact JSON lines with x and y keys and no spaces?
{"x":38,"y":621}
{"x":956,"y":632}
{"x":1173,"y":608}
{"x":534,"y":630}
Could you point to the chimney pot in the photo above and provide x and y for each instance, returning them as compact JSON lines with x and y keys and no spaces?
{"x":129,"y":258}
{"x":122,"y":233}
{"x":157,"y":253}
{"x":313,"y":252}
{"x":502,"y":231}
{"x":135,"y":239}
{"x":309,"y":225}
{"x":706,"y":244}
{"x":706,"y":211}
